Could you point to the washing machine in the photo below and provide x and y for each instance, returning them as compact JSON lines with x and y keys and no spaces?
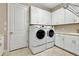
{"x":50,"y":37}
{"x":37,"y":38}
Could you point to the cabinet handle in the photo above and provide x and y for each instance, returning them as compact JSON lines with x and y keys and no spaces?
{"x":73,"y":41}
{"x":11,"y":32}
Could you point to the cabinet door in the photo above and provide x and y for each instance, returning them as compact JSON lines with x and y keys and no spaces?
{"x":70,"y":43}
{"x":76,"y":19}
{"x":59,"y":40}
{"x":54,"y":18}
{"x":69,"y":16}
{"x":77,"y":46}
{"x":67,"y":42}
{"x":35,"y":15}
{"x":53,"y":23}
{"x":47,"y":18}
{"x":40,"y":16}
{"x":58,"y":16}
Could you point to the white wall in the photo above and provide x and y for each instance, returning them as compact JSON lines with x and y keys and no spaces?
{"x":3,"y":20}
{"x":2,"y":17}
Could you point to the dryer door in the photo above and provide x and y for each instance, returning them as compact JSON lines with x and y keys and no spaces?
{"x":51,"y":33}
{"x":40,"y":34}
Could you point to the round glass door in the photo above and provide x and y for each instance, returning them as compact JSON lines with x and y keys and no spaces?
{"x":40,"y":34}
{"x":51,"y":33}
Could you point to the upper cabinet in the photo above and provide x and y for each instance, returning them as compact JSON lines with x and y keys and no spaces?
{"x":76,"y":19}
{"x":39,"y":16}
{"x":58,"y":16}
{"x":35,"y":15}
{"x":69,"y":17}
{"x":46,"y":17}
{"x":64,"y":16}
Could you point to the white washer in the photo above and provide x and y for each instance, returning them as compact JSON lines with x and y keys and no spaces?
{"x":37,"y":38}
{"x":50,"y":37}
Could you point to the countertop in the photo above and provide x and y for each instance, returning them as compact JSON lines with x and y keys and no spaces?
{"x":76,"y":34}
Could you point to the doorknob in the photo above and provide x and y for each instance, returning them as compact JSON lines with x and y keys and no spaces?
{"x":11,"y":32}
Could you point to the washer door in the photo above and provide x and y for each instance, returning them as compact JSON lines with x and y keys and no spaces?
{"x":40,"y":34}
{"x":51,"y":33}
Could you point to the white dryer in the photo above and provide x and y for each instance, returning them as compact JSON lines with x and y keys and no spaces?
{"x":50,"y":36}
{"x":37,"y":38}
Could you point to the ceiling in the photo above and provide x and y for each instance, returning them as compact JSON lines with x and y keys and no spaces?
{"x":46,"y":6}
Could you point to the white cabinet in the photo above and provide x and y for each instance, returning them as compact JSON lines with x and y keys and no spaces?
{"x":46,"y":17}
{"x":59,"y":40}
{"x":35,"y":15}
{"x":69,"y":17}
{"x":68,"y":42}
{"x":64,"y":16}
{"x":54,"y":18}
{"x":72,"y":44}
{"x":77,"y":45}
{"x":58,"y":16}
{"x":1,"y":45}
{"x":39,"y":16}
{"x":76,"y":19}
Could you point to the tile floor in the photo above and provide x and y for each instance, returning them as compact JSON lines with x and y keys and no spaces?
{"x":55,"y":51}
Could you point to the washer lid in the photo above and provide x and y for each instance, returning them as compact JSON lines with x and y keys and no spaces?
{"x":40,"y":34}
{"x":51,"y":33}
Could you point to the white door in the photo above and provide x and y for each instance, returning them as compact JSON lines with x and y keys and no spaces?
{"x":59,"y":40}
{"x":18,"y":26}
